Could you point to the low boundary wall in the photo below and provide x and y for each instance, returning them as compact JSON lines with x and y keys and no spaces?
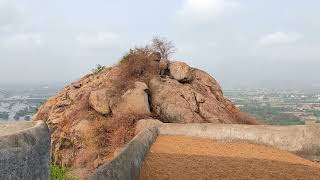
{"x":301,"y":139}
{"x":298,"y":139}
{"x":127,"y":164}
{"x":24,"y":151}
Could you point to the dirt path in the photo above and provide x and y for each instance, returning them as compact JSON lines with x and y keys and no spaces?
{"x":179,"y":157}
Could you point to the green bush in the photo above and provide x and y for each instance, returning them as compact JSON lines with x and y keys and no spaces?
{"x":98,"y":69}
{"x":59,"y":173}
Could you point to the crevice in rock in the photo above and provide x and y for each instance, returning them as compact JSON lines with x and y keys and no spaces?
{"x":148,"y":92}
{"x":197,"y":103}
{"x":183,"y":97}
{"x":198,"y":108}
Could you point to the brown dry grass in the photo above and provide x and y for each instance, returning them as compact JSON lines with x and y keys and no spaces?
{"x":137,"y":65}
{"x":114,"y":132}
{"x":106,"y":135}
{"x":245,"y":118}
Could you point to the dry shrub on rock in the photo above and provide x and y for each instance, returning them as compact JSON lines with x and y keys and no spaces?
{"x":115,"y":132}
{"x":137,"y":65}
{"x":245,"y":118}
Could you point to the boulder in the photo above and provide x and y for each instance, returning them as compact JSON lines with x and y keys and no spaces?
{"x":174,"y":101}
{"x":206,"y":84}
{"x":186,"y":104}
{"x":134,"y":101}
{"x":99,"y":101}
{"x":180,"y":71}
{"x":164,"y":64}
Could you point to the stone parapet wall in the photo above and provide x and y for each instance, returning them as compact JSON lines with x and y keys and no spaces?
{"x":301,"y":139}
{"x":127,"y":164}
{"x":24,"y":151}
{"x":297,"y":139}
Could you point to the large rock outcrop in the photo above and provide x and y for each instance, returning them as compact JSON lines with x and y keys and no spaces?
{"x":134,"y":101}
{"x":183,"y":103}
{"x":92,"y":118}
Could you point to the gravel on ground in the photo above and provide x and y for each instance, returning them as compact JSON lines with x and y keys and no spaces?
{"x":184,"y":158}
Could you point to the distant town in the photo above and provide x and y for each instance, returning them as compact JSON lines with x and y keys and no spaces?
{"x":21,"y":102}
{"x":278,"y":107}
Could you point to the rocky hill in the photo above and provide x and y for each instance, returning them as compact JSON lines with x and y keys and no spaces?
{"x":94,"y":117}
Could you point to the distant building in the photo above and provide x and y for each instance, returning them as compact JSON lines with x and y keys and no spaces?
{"x":16,"y":117}
{"x":311,"y":121}
{"x":27,"y":118}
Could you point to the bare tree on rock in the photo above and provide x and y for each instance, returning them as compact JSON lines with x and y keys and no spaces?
{"x":163,"y":46}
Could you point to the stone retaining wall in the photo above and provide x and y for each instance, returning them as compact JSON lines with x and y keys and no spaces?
{"x":298,"y":139}
{"x":127,"y":164}
{"x":24,"y":151}
{"x":301,"y":139}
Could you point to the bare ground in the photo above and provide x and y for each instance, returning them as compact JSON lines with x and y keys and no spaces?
{"x":179,"y":157}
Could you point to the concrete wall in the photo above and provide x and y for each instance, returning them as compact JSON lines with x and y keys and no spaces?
{"x":127,"y":164}
{"x":24,"y":151}
{"x":302,"y":139}
{"x":298,"y":139}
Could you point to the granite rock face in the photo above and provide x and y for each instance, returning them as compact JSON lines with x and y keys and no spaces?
{"x":198,"y":101}
{"x":180,"y":71}
{"x":24,"y":151}
{"x":99,"y":101}
{"x":134,"y":101}
{"x":174,"y":101}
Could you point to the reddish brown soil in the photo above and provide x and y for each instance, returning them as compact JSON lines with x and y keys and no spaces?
{"x":179,"y":157}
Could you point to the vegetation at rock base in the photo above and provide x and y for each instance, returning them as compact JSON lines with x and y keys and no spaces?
{"x":59,"y":173}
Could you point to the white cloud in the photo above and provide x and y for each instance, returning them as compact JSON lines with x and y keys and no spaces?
{"x":10,"y":14}
{"x":200,"y":11}
{"x":97,"y":39}
{"x":212,"y":44}
{"x":21,"y":40}
{"x":279,"y":38}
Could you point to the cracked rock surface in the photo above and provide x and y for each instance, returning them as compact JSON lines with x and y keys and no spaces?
{"x":196,"y":102}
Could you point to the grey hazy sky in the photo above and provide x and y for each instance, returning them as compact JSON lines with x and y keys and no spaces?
{"x":238,"y":41}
